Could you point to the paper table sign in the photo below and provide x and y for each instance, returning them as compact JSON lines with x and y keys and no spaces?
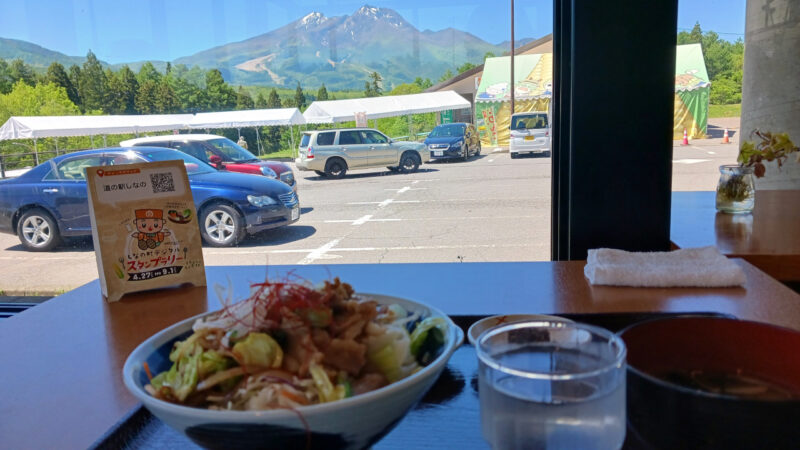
{"x":144,"y":227}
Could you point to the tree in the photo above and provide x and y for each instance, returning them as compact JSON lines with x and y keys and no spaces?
{"x":465,"y":67}
{"x":406,"y":88}
{"x":261,"y":102}
{"x":44,"y":99}
{"x":191,"y":97}
{"x":166,"y":102}
{"x":6,"y":83}
{"x":128,"y":86}
{"x":373,"y":88}
{"x":146,"y":97}
{"x":244,"y":100}
{"x":299,"y":97}
{"x":322,"y":93}
{"x":488,"y":55}
{"x":57,"y":75}
{"x":273,"y":101}
{"x":20,"y":71}
{"x":423,"y":84}
{"x":148,"y":72}
{"x":272,"y":135}
{"x":220,"y":96}
{"x":92,"y":85}
{"x":446,"y":76}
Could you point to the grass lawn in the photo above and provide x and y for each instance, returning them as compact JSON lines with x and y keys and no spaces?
{"x":725,"y":110}
{"x":282,"y":153}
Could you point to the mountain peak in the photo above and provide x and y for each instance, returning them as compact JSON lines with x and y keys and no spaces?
{"x":372,"y":13}
{"x":314,"y":18}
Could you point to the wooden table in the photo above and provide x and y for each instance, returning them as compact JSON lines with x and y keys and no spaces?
{"x":768,"y":238}
{"x":62,"y":360}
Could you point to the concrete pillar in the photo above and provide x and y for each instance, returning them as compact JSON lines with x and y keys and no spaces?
{"x":771,"y":83}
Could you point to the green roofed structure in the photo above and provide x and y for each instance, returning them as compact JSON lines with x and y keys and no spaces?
{"x":692,"y":89}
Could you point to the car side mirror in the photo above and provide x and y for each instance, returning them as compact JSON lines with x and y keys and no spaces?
{"x":216,"y":160}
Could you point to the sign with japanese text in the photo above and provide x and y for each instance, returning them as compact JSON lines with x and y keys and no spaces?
{"x":361,"y":120}
{"x":144,"y":227}
{"x":491,"y":125}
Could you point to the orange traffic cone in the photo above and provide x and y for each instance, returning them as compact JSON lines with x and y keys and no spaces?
{"x":725,"y":139}
{"x":685,"y":138}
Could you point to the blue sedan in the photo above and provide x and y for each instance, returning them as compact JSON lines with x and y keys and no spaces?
{"x":50,"y":201}
{"x":453,"y":140}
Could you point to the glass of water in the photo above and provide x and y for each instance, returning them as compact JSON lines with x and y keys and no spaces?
{"x":551,"y":385}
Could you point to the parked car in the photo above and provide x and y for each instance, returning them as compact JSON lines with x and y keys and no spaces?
{"x":50,"y":201}
{"x":332,"y":153}
{"x":530,"y":133}
{"x":220,"y":152}
{"x":453,"y":140}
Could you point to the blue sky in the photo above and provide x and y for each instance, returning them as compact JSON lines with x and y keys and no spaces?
{"x":124,"y":31}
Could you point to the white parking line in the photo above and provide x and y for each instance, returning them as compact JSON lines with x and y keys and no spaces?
{"x":405,"y":189}
{"x":362,"y":220}
{"x":385,"y":203}
{"x":491,"y":160}
{"x":318,"y":253}
{"x":712,"y":153}
{"x":380,"y":203}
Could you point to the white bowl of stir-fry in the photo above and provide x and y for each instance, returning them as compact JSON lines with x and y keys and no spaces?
{"x":293,"y":366}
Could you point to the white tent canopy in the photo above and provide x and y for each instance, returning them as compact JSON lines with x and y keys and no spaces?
{"x":332,"y":111}
{"x":248,"y":118}
{"x":33,"y":127}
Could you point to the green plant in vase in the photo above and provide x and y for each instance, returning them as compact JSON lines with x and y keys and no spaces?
{"x":736,"y":188}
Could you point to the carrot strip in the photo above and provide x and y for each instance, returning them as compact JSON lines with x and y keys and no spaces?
{"x":147,"y":371}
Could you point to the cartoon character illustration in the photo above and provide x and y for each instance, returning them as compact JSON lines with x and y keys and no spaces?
{"x":150,"y":226}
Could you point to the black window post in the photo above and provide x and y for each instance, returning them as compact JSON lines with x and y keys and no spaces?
{"x":614,"y":72}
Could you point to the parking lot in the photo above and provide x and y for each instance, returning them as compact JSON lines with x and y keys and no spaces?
{"x":491,"y":208}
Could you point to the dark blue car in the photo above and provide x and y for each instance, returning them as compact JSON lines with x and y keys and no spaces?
{"x":50,"y":201}
{"x":453,"y":140}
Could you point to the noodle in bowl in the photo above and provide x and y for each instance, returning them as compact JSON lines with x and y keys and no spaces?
{"x":354,"y":422}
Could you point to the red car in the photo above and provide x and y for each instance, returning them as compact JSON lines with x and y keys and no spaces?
{"x":220,"y":152}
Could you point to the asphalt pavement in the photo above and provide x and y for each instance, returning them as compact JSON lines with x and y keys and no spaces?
{"x":490,"y":208}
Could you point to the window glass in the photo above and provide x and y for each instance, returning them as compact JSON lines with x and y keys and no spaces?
{"x":193,"y":165}
{"x":449,"y":130}
{"x":306,"y":139}
{"x":230,"y":151}
{"x":373,"y":137}
{"x":349,"y":137}
{"x":195,"y":149}
{"x":322,"y":139}
{"x":529,"y":121}
{"x":75,"y":169}
{"x":124,"y":158}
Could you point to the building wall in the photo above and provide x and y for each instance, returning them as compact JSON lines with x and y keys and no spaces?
{"x":771,"y":84}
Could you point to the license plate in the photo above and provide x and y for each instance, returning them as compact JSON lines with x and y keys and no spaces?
{"x":438,"y":153}
{"x":530,"y":138}
{"x":295,"y":213}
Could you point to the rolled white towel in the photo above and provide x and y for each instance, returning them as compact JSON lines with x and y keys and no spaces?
{"x":690,"y":267}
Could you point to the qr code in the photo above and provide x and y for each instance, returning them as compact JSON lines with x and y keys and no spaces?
{"x":162,"y":182}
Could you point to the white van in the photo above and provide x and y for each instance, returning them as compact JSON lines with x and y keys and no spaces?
{"x":530,"y":133}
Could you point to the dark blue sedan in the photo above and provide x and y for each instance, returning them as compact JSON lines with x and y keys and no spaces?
{"x":453,"y":140}
{"x":50,"y":201}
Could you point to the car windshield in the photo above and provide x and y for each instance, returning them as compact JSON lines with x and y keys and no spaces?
{"x":193,"y":165}
{"x":231,"y":151}
{"x":451,"y":130}
{"x":529,"y":121}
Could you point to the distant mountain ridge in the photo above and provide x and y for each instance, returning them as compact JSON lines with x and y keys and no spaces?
{"x":338,"y":51}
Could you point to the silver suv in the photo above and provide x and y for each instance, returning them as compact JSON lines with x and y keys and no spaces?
{"x":332,"y":153}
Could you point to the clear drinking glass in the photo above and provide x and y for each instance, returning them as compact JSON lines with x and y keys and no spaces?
{"x":551,"y":385}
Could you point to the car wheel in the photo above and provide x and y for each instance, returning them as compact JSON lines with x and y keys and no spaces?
{"x":221,"y":225}
{"x":409,"y":162}
{"x":320,"y":173}
{"x":547,"y":154}
{"x":464,"y":151}
{"x":514,"y":155}
{"x":335,"y":168}
{"x":478,"y":151}
{"x":38,"y":231}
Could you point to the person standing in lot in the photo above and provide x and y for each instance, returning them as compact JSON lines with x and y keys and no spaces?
{"x":242,"y":143}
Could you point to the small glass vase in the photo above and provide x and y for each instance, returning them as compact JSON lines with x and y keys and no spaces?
{"x":736,"y":191}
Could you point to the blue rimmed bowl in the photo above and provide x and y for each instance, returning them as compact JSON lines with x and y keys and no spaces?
{"x":352,"y":423}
